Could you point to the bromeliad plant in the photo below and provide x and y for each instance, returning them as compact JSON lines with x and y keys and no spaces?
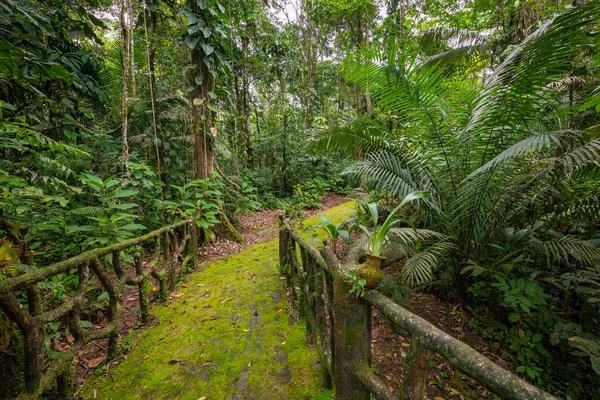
{"x":336,"y":231}
{"x":378,"y":238}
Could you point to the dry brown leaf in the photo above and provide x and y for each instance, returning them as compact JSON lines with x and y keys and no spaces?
{"x":94,"y":362}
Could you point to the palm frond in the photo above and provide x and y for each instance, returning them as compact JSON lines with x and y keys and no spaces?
{"x":588,"y":153}
{"x":358,"y":138}
{"x":569,"y":248}
{"x":528,"y":146}
{"x":419,"y":268}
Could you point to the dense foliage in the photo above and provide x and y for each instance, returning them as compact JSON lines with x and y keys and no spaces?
{"x":510,"y":155}
{"x":119,"y":117}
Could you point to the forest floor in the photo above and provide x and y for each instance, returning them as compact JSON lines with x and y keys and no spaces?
{"x":230,"y":332}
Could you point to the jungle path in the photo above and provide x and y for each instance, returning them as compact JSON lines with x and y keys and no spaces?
{"x":230,"y":334}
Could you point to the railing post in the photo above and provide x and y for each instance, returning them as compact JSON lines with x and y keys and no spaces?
{"x":167,"y":259}
{"x":193,"y":249}
{"x":415,"y":374}
{"x":141,"y":288}
{"x":352,"y":334}
{"x":33,"y":339}
{"x":284,"y":244}
{"x":113,"y":308}
{"x":64,"y":382}
{"x":173,"y":255}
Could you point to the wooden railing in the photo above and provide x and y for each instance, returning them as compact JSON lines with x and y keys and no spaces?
{"x":340,"y":324}
{"x":179,"y":245}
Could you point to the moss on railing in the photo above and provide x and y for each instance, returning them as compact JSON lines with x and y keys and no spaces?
{"x":346,"y":319}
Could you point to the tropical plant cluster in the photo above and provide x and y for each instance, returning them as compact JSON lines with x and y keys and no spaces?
{"x":507,"y":144}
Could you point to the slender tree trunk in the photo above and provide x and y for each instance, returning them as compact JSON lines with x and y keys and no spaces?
{"x":310,"y":57}
{"x":284,"y":155}
{"x":126,"y":42}
{"x":243,"y":111}
{"x":201,"y":114}
{"x":367,"y":94}
{"x":151,"y":42}
{"x":246,"y":120}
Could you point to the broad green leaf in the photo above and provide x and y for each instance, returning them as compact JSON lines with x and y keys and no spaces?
{"x":133,"y":227}
{"x":124,"y":193}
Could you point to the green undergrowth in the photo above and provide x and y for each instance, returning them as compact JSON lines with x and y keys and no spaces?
{"x":230,"y":335}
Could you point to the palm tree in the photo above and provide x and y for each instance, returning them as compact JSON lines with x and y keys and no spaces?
{"x":495,"y":157}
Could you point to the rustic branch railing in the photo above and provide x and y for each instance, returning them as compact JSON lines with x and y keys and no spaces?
{"x":340,"y":324}
{"x":31,"y":320}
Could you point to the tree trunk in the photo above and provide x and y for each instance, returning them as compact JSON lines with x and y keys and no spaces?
{"x":201,"y":114}
{"x":243,"y":109}
{"x":125,"y":87}
{"x":151,"y":42}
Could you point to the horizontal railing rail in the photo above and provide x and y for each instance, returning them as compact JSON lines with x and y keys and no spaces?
{"x":179,"y":247}
{"x":340,"y":323}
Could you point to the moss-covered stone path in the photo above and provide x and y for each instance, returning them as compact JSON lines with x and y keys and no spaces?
{"x":230,"y":335}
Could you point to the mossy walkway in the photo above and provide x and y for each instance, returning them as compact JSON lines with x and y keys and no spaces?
{"x":230,"y":335}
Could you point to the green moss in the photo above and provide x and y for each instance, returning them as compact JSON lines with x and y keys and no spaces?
{"x":372,"y":275}
{"x":229,"y":333}
{"x":11,"y":359}
{"x":335,"y":215}
{"x":354,"y":335}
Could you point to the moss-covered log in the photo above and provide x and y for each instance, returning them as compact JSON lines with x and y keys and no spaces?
{"x":63,"y":266}
{"x":460,"y":355}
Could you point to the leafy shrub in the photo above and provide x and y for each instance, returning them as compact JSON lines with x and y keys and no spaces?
{"x":399,"y":292}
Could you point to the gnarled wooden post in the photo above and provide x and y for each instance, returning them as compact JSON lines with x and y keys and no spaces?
{"x":352,"y":333}
{"x":141,"y":290}
{"x":193,"y":248}
{"x":33,"y":339}
{"x":415,"y":375}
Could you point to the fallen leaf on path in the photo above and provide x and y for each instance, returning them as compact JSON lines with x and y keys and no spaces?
{"x":94,"y":362}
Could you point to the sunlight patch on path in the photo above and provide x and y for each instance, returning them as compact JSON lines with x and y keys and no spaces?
{"x":230,"y":335}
